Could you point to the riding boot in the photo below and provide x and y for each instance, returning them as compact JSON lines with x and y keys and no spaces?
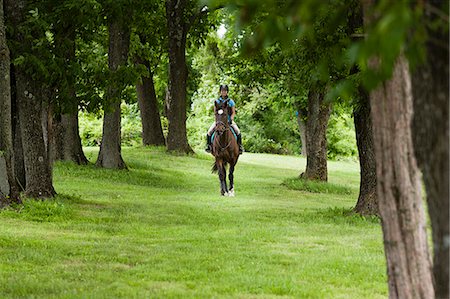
{"x":239,"y":141}
{"x":208,"y":143}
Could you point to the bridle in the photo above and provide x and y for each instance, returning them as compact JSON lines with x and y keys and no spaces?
{"x":220,"y":133}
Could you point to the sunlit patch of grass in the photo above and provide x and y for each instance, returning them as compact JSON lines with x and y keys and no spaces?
{"x":317,"y":186}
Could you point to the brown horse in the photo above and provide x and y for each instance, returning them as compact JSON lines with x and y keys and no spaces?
{"x":224,"y":148}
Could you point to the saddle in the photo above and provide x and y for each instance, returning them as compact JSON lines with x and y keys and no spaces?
{"x":214,"y":134}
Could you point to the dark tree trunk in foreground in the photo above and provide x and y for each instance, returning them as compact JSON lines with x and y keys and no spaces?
{"x":110,"y":149}
{"x":431,"y":135}
{"x":176,"y":104}
{"x":367,"y":200}
{"x":316,"y":136}
{"x":399,"y":188}
{"x":67,"y":141}
{"x":152,"y":133}
{"x":11,"y":192}
{"x":38,"y":171}
{"x":19,"y":164}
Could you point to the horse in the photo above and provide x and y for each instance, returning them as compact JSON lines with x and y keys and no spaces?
{"x":224,"y":148}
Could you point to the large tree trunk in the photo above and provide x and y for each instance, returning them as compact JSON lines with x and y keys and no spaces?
{"x":38,"y":171}
{"x":430,"y":135}
{"x":19,"y":164}
{"x":10,"y":192}
{"x":316,"y":136}
{"x":399,"y":188}
{"x":367,"y":200}
{"x":110,"y":149}
{"x":67,"y":141}
{"x":176,"y":104}
{"x":152,"y":133}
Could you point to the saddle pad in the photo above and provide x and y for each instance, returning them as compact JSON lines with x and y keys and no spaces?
{"x":214,"y":134}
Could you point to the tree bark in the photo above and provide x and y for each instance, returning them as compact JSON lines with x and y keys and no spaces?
{"x":316,"y":136}
{"x":38,"y":171}
{"x":152,"y":133}
{"x":176,"y":104}
{"x":301,"y":113}
{"x":430,"y":135}
{"x":67,"y":141}
{"x":19,"y":164}
{"x":367,"y":200}
{"x":110,"y":149}
{"x":399,"y":188}
{"x":6,"y":141}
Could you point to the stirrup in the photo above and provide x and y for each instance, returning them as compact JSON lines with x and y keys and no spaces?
{"x":208,"y":149}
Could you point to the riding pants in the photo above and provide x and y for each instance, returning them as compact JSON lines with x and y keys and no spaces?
{"x":233,"y":124}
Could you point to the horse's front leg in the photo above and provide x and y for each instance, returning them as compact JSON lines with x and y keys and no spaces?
{"x":222,"y":178}
{"x":231,"y":178}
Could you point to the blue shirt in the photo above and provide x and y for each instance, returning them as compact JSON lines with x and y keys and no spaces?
{"x":230,"y":104}
{"x":230,"y":101}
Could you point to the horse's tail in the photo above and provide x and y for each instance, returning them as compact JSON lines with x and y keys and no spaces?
{"x":214,"y":167}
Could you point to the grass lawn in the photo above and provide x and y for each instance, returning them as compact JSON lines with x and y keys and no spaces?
{"x":162,"y":230}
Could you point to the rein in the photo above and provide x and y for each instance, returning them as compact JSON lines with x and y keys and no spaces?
{"x":220,"y":132}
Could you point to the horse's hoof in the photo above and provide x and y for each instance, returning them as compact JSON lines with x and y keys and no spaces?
{"x":231,"y":193}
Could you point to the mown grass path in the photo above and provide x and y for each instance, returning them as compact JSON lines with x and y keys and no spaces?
{"x":161,"y":230}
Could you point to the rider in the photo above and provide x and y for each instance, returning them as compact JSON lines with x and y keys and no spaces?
{"x":232,"y":112}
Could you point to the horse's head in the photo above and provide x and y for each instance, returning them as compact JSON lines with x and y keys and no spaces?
{"x":221,"y":116}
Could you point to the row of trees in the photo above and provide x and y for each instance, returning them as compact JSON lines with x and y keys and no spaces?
{"x":54,"y":60}
{"x":47,"y":59}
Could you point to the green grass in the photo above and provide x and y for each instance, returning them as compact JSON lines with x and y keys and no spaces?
{"x":161,"y":230}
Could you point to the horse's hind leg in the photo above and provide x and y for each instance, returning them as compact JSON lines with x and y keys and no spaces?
{"x":222,"y":178}
{"x":231,"y":178}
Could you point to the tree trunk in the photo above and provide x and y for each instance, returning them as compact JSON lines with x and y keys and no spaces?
{"x":10,"y":190}
{"x":110,"y":149}
{"x":316,"y":136}
{"x":301,"y":113}
{"x":367,"y":200}
{"x":176,"y":112}
{"x":430,"y":135}
{"x":399,"y":188}
{"x":152,"y":133}
{"x":72,"y":149}
{"x":67,"y":141}
{"x":19,"y":164}
{"x":38,"y":172}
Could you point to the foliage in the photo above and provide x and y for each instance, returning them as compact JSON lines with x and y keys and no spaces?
{"x":91,"y":126}
{"x":341,"y":136}
{"x":267,"y":97}
{"x":162,"y":230}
